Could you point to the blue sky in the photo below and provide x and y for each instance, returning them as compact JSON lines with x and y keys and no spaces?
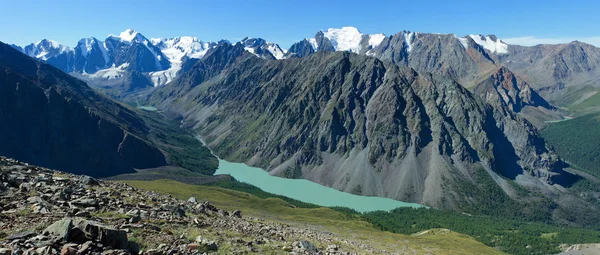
{"x":285,"y":22}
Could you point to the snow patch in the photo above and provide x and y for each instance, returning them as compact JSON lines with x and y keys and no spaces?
{"x":463,"y":41}
{"x":488,"y":43}
{"x":409,"y":38}
{"x":375,"y":40}
{"x":314,"y":44}
{"x":251,"y":50}
{"x":109,"y":73}
{"x":275,"y":50}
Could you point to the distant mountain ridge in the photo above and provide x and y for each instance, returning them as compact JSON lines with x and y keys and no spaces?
{"x":550,"y":70}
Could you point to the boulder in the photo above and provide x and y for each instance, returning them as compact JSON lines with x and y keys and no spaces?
{"x":237,"y":214}
{"x":60,"y":229}
{"x":87,"y":180}
{"x":192,"y":200}
{"x":87,"y":230}
{"x":304,"y":245}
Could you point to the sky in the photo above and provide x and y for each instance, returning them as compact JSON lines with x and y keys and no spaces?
{"x":285,"y":22}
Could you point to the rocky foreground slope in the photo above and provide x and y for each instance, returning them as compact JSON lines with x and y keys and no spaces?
{"x":48,"y":212}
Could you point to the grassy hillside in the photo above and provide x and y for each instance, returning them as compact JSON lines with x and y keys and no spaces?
{"x":577,"y":141}
{"x":417,"y":229}
{"x":346,"y":225}
{"x":511,"y":236}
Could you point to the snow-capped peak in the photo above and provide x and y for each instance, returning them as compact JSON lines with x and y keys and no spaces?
{"x":258,"y":45}
{"x":128,"y":35}
{"x":491,"y":43}
{"x":345,"y":38}
{"x":176,"y":48}
{"x":45,"y":49}
{"x":349,"y":39}
{"x":86,"y":45}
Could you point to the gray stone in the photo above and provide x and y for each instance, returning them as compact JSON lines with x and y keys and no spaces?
{"x":237,"y":214}
{"x":135,"y":219}
{"x":5,"y":251}
{"x":21,"y":235}
{"x":86,"y":230}
{"x":85,"y":202}
{"x":192,"y":200}
{"x":61,"y":229}
{"x":87,"y":180}
{"x":306,"y":245}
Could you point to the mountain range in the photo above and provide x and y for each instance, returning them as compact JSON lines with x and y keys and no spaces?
{"x":129,"y":61}
{"x":438,"y":119}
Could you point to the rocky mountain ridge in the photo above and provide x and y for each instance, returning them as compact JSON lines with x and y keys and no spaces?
{"x":358,"y":124}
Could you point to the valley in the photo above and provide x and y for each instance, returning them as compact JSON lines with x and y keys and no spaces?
{"x":344,"y":143}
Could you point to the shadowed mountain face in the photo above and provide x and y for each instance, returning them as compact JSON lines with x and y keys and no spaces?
{"x":357,"y":124}
{"x":52,"y":119}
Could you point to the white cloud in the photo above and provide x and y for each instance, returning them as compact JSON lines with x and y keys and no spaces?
{"x":532,"y":40}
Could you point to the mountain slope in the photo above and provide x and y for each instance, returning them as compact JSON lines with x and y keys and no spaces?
{"x":52,"y":119}
{"x":359,"y":125}
{"x":503,"y":87}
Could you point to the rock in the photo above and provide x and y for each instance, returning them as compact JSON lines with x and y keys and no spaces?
{"x":193,"y":246}
{"x":332,"y":248}
{"x":60,"y":229}
{"x":85,"y":202}
{"x":305,"y":246}
{"x":135,"y":219}
{"x":179,"y":212}
{"x":46,"y":250}
{"x":206,"y":244}
{"x":87,"y":180}
{"x":134,"y":248}
{"x":5,"y":251}
{"x":237,"y":214}
{"x":192,"y":200}
{"x":22,"y":235}
{"x":87,"y":230}
{"x":85,"y":247}
{"x":83,"y":214}
{"x":133,"y":212}
{"x":68,"y":249}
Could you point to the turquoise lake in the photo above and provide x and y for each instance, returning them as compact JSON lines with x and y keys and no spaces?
{"x":307,"y":191}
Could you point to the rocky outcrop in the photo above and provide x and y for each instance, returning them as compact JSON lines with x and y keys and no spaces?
{"x":502,"y":88}
{"x":125,"y":220}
